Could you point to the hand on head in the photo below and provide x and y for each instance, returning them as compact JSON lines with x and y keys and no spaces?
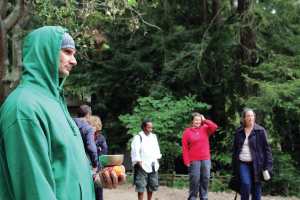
{"x":202,"y":118}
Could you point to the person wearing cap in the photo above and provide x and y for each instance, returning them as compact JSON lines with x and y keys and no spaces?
{"x":41,"y":150}
{"x":87,"y":134}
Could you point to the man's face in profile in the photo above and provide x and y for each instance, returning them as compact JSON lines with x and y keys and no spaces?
{"x":66,"y":61}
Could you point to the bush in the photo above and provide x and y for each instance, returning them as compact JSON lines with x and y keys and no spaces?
{"x":219,"y":183}
{"x":170,"y":118}
{"x":285,"y":179}
{"x":181,"y":183}
{"x":128,"y":178}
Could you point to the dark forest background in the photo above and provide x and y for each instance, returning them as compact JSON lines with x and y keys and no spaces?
{"x":165,"y":59}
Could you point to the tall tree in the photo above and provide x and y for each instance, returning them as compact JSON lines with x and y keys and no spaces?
{"x":248,"y":41}
{"x":217,"y":14}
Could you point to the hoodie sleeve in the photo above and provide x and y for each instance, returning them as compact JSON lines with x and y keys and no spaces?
{"x":185,"y":147}
{"x":211,"y":127}
{"x":28,"y":161}
{"x":91,"y":147}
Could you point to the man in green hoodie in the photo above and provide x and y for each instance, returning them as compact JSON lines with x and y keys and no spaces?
{"x":41,"y":150}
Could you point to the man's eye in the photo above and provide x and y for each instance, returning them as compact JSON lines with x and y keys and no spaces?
{"x":67,"y":51}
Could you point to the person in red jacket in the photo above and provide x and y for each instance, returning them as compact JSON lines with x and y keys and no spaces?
{"x":196,"y":155}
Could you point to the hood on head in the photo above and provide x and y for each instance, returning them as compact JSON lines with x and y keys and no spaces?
{"x":41,"y":51}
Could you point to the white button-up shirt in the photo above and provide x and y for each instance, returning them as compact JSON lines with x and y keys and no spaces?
{"x":146,"y":151}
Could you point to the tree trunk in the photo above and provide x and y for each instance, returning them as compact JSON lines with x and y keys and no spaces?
{"x":208,"y":13}
{"x":18,"y":20}
{"x":218,"y":99}
{"x":3,"y":39}
{"x":4,"y":62}
{"x":2,"y":45}
{"x":204,"y":20}
{"x":216,"y":12}
{"x":247,"y":44}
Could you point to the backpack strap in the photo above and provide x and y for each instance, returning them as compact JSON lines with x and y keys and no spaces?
{"x":140,"y":144}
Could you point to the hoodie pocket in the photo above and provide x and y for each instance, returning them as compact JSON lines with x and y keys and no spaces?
{"x":86,"y":192}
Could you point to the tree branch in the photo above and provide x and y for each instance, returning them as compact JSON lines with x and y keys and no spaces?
{"x":203,"y":49}
{"x":14,"y":16}
{"x":139,"y":14}
{"x":18,"y":37}
{"x":2,"y":48}
{"x":23,"y":22}
{"x":3,"y":8}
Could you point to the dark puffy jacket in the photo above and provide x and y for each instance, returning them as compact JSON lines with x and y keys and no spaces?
{"x":87,"y":134}
{"x":259,"y":147}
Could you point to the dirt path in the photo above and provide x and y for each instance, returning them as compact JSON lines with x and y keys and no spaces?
{"x":126,"y":192}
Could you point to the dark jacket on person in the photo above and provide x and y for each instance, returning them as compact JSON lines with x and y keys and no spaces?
{"x":87,"y":134}
{"x":260,"y":149}
{"x":101,"y":142}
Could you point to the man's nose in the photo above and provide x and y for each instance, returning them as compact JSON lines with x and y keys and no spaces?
{"x":73,"y":61}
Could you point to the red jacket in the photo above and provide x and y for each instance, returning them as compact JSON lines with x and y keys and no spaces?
{"x":195,"y":142}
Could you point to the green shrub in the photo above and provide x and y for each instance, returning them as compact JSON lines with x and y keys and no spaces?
{"x":170,"y":118}
{"x":128,"y":178}
{"x":285,"y":179}
{"x":219,"y":182}
{"x":181,"y":183}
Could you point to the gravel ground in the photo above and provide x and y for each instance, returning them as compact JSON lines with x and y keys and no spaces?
{"x":126,"y":192}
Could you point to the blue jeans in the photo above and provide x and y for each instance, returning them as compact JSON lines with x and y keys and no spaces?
{"x":199,"y":174}
{"x":247,"y":176}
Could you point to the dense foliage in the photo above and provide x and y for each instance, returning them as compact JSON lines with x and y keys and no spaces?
{"x":203,"y":51}
{"x":170,"y":118}
{"x":227,"y":54}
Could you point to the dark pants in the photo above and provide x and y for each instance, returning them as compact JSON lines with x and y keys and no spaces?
{"x":146,"y":180}
{"x":246,"y":176}
{"x":199,"y":174}
{"x":99,"y":191}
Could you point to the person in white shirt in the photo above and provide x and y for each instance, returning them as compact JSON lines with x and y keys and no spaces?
{"x":145,"y":155}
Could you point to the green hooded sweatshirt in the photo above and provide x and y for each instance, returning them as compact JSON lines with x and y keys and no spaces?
{"x":41,"y":151}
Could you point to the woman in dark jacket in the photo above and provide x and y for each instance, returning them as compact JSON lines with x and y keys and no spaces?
{"x":251,"y":156}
